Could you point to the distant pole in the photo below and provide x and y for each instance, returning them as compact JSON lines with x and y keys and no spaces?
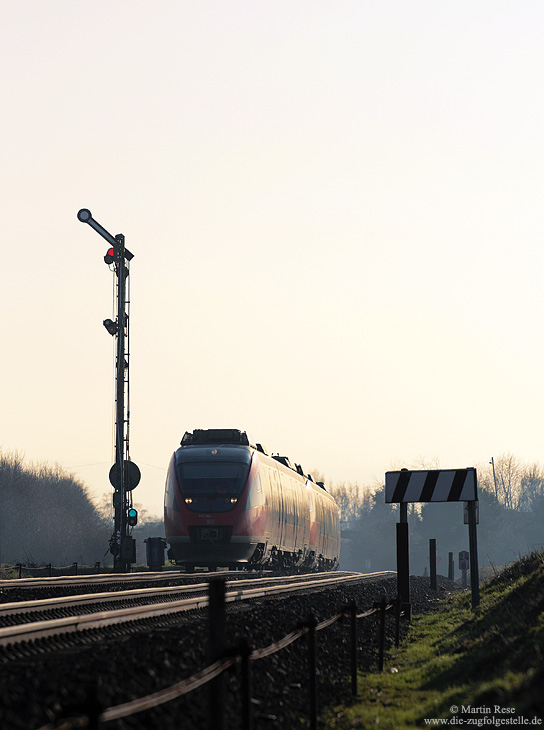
{"x":492,"y":462}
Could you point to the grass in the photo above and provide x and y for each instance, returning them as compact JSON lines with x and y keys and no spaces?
{"x":456,"y":656}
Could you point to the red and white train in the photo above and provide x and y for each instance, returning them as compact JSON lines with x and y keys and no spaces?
{"x":228,"y":504}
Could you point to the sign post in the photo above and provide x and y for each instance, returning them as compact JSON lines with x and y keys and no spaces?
{"x":436,"y":485}
{"x":473,"y":549}
{"x":403,"y":556}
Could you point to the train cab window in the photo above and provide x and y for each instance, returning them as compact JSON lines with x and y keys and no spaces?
{"x":212,"y":486}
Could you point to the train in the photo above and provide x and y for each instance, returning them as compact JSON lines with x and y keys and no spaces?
{"x":228,"y":503}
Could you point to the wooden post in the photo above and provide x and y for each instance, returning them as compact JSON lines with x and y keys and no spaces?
{"x":398,"y":607}
{"x":381,"y":635}
{"x":216,"y":651}
{"x":247,"y":685}
{"x":432,"y":561}
{"x":312,"y":671}
{"x":353,"y":654}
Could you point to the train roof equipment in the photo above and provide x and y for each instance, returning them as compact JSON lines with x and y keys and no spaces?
{"x":235,"y":437}
{"x":215,"y":436}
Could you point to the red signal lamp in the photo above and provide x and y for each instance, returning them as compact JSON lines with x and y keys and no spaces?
{"x":111,"y":326}
{"x":109,"y":258}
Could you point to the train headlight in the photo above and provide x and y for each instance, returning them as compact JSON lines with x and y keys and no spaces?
{"x":188,"y":500}
{"x":233,"y":500}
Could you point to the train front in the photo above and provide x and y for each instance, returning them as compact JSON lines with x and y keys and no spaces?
{"x":205,"y":505}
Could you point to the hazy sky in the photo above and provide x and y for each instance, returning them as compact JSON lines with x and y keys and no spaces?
{"x":336,"y":215}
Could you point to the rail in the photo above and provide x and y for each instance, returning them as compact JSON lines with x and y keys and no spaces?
{"x":242,"y":654}
{"x":97,"y":618}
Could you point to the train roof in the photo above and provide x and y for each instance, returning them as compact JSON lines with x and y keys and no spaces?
{"x":235,"y":437}
{"x":215,"y":436}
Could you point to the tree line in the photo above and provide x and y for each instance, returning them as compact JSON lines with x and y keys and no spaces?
{"x":48,"y":516}
{"x":511,"y":519}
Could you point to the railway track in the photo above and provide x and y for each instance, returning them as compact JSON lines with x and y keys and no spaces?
{"x":61,"y":585}
{"x":53,"y":678}
{"x":28,"y":621}
{"x":93,"y":579}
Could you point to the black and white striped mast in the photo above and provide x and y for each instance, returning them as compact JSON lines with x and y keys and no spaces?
{"x":124,"y":474}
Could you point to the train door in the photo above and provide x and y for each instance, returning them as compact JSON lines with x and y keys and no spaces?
{"x":298,"y":536}
{"x":289,"y":513}
{"x":277,"y":529}
{"x":298,"y":495}
{"x":304,"y":519}
{"x":285,"y":511}
{"x":318,"y":524}
{"x":264,"y":472}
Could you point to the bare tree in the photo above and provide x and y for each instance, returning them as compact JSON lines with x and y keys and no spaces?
{"x":508,"y":474}
{"x":352,"y":501}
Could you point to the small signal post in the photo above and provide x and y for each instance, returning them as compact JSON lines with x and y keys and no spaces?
{"x":124,"y":474}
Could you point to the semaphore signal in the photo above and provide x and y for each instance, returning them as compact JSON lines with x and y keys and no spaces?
{"x":124,"y":474}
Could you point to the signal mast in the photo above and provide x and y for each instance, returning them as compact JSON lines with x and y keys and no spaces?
{"x":124,"y":474}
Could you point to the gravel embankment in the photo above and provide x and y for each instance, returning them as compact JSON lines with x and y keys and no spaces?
{"x":47,"y":687}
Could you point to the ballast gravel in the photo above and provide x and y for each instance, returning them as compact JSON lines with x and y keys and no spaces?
{"x":50,"y":687}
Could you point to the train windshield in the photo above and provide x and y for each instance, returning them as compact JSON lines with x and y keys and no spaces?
{"x":212,"y":486}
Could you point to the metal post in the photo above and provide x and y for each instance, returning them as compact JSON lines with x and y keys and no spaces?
{"x":121,"y":544}
{"x":353,"y":653}
{"x":473,"y":550}
{"x":451,"y":567}
{"x":403,"y":554}
{"x":216,"y":651}
{"x":432,"y":561}
{"x":93,"y":708}
{"x":120,"y":527}
{"x":381,"y":636}
{"x":247,"y":685}
{"x":403,"y":562}
{"x":398,"y":608}
{"x":312,"y":671}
